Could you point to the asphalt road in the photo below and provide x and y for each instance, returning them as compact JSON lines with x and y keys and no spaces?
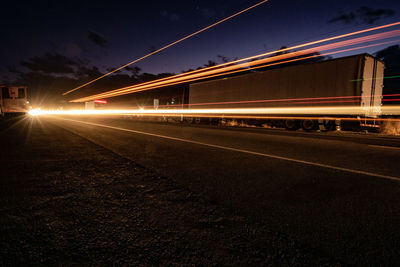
{"x":336,"y":192}
{"x":66,"y":201}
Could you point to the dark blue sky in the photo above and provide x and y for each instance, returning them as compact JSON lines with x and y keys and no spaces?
{"x":127,"y":30}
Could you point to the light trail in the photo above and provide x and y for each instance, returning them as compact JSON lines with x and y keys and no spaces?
{"x":255,"y":153}
{"x":221,"y":73}
{"x":188,"y":77}
{"x":318,"y":111}
{"x":284,"y":62}
{"x":296,"y":46}
{"x":391,"y":95}
{"x":167,"y":46}
{"x":287,"y":61}
{"x":388,"y":100}
{"x":275,"y":100}
{"x":327,"y":101}
{"x":242,"y":67}
{"x":229,"y":63}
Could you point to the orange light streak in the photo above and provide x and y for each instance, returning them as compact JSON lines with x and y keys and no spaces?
{"x":327,"y":101}
{"x":282,"y":50}
{"x":167,"y":46}
{"x":137,"y":88}
{"x":274,"y":100}
{"x":284,"y":62}
{"x":220,"y":72}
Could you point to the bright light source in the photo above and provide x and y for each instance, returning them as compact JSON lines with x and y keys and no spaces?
{"x":36,"y":112}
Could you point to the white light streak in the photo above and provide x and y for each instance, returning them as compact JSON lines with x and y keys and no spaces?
{"x":346,"y":110}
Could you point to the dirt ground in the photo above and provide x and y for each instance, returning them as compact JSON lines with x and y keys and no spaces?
{"x":67,"y":201}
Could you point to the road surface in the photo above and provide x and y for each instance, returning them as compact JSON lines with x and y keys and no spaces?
{"x":337,"y":193}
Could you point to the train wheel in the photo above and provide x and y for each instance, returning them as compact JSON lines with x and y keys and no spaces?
{"x":197,"y":120}
{"x":309,"y":125}
{"x":292,"y":125}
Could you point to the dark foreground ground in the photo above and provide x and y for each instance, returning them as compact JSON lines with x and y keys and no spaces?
{"x":67,"y":201}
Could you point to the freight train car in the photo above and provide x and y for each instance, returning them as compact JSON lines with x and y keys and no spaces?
{"x":353,"y":81}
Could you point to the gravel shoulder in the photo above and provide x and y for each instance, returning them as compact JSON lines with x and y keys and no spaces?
{"x":67,"y":201}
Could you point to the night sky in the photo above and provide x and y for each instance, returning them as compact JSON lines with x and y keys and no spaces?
{"x":110,"y":34}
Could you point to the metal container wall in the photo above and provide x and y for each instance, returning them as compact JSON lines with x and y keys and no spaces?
{"x":278,"y":87}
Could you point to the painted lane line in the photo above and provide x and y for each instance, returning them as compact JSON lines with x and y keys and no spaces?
{"x":394,"y":178}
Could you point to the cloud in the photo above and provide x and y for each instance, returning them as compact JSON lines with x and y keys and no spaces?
{"x":365,"y":15}
{"x":345,"y":18}
{"x":97,"y":39}
{"x":370,"y":15}
{"x":89,"y":72}
{"x":170,"y":16}
{"x":50,"y":63}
